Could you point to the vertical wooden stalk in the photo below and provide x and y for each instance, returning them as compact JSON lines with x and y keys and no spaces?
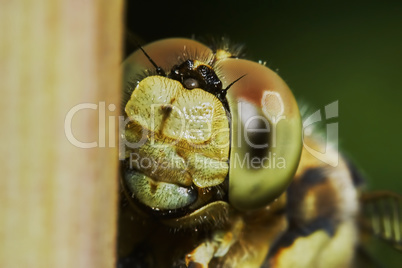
{"x":58,"y":200}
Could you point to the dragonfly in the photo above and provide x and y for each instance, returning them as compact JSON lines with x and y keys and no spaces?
{"x":219,"y":168}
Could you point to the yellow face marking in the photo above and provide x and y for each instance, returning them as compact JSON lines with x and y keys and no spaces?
{"x":169,"y":122}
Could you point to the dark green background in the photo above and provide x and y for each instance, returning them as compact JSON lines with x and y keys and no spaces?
{"x":325,"y":51}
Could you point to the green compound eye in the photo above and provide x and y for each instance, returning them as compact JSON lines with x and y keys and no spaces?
{"x":265,"y":134}
{"x":209,"y":143}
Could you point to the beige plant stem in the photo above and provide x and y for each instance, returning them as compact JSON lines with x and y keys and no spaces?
{"x":58,"y":201}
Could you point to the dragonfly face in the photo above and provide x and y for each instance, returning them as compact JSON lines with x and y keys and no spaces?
{"x":213,"y":169}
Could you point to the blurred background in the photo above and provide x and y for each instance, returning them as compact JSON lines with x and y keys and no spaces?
{"x":350,"y":51}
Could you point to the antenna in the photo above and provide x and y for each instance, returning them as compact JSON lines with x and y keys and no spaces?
{"x":231,"y":84}
{"x":159,"y":70}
